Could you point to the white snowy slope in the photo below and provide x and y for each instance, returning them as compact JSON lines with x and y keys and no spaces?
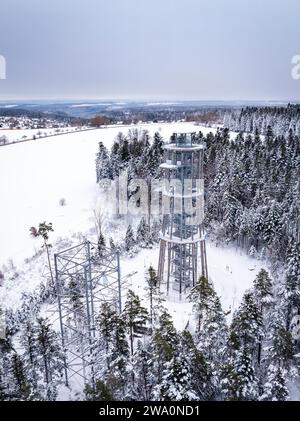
{"x":231,"y":271}
{"x":36,"y":175}
{"x":15,"y":135}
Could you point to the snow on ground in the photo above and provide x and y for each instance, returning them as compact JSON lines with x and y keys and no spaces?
{"x":231,"y":271}
{"x":36,"y":175}
{"x":14,"y":135}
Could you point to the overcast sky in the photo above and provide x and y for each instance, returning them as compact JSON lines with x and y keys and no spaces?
{"x":152,"y":49}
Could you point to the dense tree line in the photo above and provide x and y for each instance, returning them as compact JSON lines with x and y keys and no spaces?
{"x":36,"y":372}
{"x":251,"y":359}
{"x":258,"y":119}
{"x":252,"y":193}
{"x":132,"y":152}
{"x":252,"y":188}
{"x":140,"y":355}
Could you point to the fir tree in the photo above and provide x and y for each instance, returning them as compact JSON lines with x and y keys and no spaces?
{"x":142,"y":368}
{"x":143,"y":233}
{"x":246,"y":328}
{"x":263,"y":295}
{"x":129,"y":239}
{"x":154,"y":295}
{"x":275,"y":388}
{"x":112,"y":244}
{"x":21,"y":388}
{"x":100,"y":393}
{"x":176,"y":382}
{"x":117,"y":376}
{"x":202,"y":381}
{"x":156,"y":152}
{"x":211,"y":330}
{"x":164,"y":341}
{"x":29,"y":344}
{"x":239,"y":382}
{"x":263,"y":289}
{"x":107,"y":323}
{"x":101,"y":245}
{"x":51,"y":362}
{"x":135,"y":316}
{"x":103,"y":169}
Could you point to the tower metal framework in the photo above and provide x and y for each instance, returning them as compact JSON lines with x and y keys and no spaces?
{"x":182,"y":241}
{"x":85,"y":277}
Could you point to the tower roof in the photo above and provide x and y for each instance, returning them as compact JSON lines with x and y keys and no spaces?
{"x":183,"y":141}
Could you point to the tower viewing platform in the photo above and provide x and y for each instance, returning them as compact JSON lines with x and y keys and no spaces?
{"x":182,"y":242}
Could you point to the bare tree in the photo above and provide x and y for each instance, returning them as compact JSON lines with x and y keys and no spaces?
{"x":99,"y":221}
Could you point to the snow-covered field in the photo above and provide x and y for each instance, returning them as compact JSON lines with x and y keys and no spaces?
{"x":17,"y":135}
{"x":36,"y":175}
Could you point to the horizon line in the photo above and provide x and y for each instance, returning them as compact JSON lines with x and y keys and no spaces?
{"x":145,"y":99}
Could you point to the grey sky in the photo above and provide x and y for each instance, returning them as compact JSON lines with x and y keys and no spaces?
{"x":159,"y":49}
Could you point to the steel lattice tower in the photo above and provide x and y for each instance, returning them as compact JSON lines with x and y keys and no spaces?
{"x":182,"y":243}
{"x":95,"y":278}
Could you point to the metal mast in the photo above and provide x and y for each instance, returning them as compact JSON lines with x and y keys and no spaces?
{"x":84,"y":280}
{"x":182,"y":242}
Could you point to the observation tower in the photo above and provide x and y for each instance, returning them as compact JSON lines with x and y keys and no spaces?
{"x":182,"y":254}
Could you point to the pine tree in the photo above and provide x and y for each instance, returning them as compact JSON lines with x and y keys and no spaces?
{"x":142,"y":369}
{"x":143,"y":233}
{"x":6,"y":351}
{"x":282,"y":349}
{"x":29,"y":344}
{"x":135,"y":316}
{"x":263,"y":296}
{"x":275,"y":388}
{"x":176,"y":382}
{"x":103,"y":169}
{"x":124,"y":151}
{"x":202,"y":381}
{"x":21,"y":388}
{"x":129,"y":239}
{"x":117,"y":376}
{"x":289,"y":296}
{"x":101,"y":245}
{"x":252,"y":251}
{"x":156,"y":152}
{"x":211,"y":330}
{"x":100,"y":393}
{"x":154,"y":295}
{"x":76,"y":299}
{"x":3,"y":391}
{"x":290,"y":293}
{"x":239,"y":382}
{"x":246,"y":327}
{"x":51,"y":361}
{"x":112,"y":244}
{"x":107,"y":323}
{"x":164,"y":342}
{"x":154,"y":231}
{"x":263,"y":289}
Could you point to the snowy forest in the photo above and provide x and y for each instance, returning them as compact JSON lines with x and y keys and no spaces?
{"x":251,"y":202}
{"x":259,"y":119}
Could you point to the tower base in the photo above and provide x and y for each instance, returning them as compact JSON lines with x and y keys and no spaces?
{"x":178,"y":266}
